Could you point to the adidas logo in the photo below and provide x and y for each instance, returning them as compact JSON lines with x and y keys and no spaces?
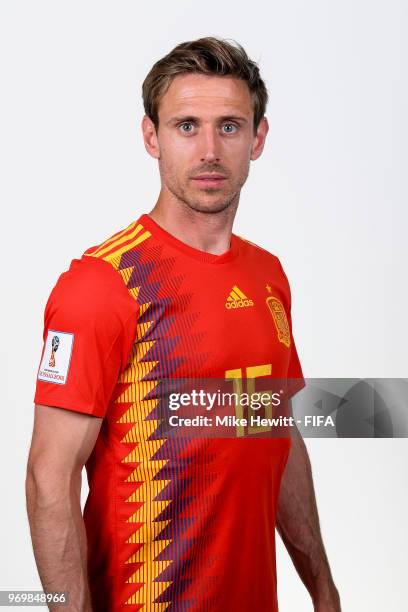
{"x":237,"y":299}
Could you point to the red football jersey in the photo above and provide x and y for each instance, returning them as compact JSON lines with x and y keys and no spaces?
{"x":172,"y":524}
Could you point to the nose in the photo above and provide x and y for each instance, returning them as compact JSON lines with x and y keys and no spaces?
{"x":210,"y":145}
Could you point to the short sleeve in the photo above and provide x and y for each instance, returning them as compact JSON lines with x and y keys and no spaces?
{"x":90,"y":325}
{"x":295,"y":378}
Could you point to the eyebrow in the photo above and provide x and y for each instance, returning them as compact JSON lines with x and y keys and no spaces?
{"x":193,"y":119}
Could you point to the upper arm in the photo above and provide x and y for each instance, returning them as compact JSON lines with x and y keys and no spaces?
{"x":295,"y":435}
{"x":62,"y":441}
{"x":89,"y":328}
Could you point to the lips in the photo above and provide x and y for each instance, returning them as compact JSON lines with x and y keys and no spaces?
{"x":209,"y":180}
{"x":205,"y":177}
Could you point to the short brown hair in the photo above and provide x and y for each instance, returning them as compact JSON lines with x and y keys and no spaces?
{"x":211,"y":56}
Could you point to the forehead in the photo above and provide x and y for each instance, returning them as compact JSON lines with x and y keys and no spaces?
{"x":195,"y":93}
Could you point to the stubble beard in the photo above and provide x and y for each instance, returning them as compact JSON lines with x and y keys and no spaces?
{"x":217,"y":204}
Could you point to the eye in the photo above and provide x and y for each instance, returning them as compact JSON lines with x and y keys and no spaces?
{"x":186,"y":124}
{"x":231,"y":128}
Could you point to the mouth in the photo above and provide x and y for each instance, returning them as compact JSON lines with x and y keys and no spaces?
{"x":209,"y":180}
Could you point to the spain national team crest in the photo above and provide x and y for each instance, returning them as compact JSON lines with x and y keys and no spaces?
{"x":280,"y":319}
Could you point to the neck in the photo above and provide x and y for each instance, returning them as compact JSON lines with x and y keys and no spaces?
{"x":206,"y":231}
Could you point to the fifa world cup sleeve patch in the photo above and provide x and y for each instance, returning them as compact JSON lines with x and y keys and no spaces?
{"x":56,"y":359}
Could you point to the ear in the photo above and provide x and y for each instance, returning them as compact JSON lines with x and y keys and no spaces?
{"x":260,"y":137}
{"x":150,"y":139}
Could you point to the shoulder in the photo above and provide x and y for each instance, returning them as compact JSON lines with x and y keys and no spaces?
{"x":97,"y":282}
{"x":90,"y":290}
{"x":113,"y":248}
{"x":255,"y":250}
{"x":88,"y":278}
{"x":265,"y":258}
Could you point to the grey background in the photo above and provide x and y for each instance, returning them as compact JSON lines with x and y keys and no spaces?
{"x":327,"y":196}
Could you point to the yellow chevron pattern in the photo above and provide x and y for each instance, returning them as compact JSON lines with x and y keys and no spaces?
{"x":112,"y":249}
{"x":147,"y":469}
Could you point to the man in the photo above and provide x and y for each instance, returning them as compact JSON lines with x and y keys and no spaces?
{"x":171,"y":524}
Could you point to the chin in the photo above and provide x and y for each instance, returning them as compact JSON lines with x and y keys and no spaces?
{"x":213,"y":203}
{"x":209,"y":207}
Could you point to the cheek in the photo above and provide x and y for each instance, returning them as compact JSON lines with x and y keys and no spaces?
{"x":237,"y":153}
{"x":240,"y":163}
{"x":173,"y":165}
{"x":175,"y":153}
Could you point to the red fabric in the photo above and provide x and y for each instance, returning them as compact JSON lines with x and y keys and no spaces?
{"x":91,"y":302}
{"x":188,"y":524}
